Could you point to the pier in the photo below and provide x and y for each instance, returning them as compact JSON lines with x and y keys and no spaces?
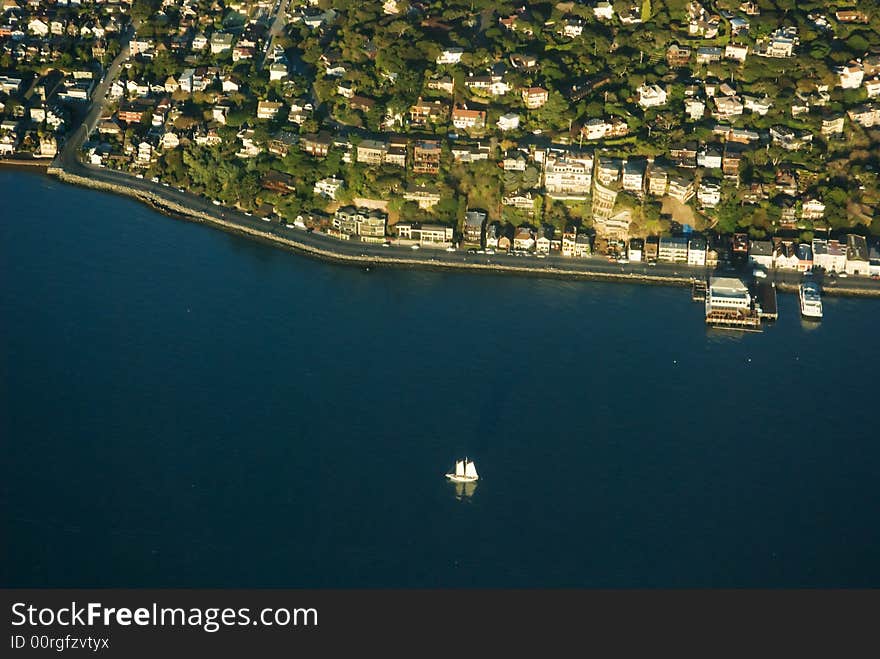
{"x":765,"y":301}
{"x":698,"y":290}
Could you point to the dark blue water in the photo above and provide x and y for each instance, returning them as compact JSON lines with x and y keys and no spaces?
{"x":180,"y":407}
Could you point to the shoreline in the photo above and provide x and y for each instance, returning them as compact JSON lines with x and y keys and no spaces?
{"x":26,"y":163}
{"x":181,"y":212}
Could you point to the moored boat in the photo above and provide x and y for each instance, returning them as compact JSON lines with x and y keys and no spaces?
{"x":811,"y":300}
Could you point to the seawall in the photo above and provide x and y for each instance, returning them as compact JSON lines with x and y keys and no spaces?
{"x":180,"y":211}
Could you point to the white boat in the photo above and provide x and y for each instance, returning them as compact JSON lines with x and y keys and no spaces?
{"x":811,"y":300}
{"x":465,"y":472}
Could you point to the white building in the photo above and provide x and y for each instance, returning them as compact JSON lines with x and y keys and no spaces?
{"x":727,"y":294}
{"x":509,"y":121}
{"x":328,"y":187}
{"x":450,"y":56}
{"x":851,"y":75}
{"x":651,"y":96}
{"x":697,"y":252}
{"x":694,"y":108}
{"x":603,"y":11}
{"x":709,"y":194}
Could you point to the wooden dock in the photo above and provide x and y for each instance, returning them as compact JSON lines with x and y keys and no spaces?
{"x":734,"y":319}
{"x":765,"y":301}
{"x":698,"y":290}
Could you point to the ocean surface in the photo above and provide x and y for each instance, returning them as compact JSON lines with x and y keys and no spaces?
{"x":182,"y":407}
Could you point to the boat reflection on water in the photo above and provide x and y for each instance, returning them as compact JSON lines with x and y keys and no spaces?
{"x":810,"y":324}
{"x":464,"y":491}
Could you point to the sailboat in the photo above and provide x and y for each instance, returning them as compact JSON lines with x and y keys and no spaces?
{"x":465,"y":472}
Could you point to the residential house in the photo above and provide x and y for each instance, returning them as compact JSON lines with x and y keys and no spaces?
{"x":680,"y":187}
{"x":634,"y":175}
{"x":805,"y":257}
{"x":635,"y":250}
{"x":521,"y":200}
{"x":316,"y":145}
{"x":604,"y":198}
{"x":534,"y":97}
{"x":424,"y":112}
{"x":736,"y":52}
{"x":278,"y":182}
{"x":450,"y":55}
{"x":658,"y":179}
{"x":651,"y":96}
{"x":857,"y":261}
{"x":694,"y":108}
{"x":569,"y":241}
{"x":328,"y":187}
{"x":708,"y":54}
{"x":652,"y":249}
{"x":568,"y":176}
{"x":523,"y":238}
{"x":603,"y":10}
{"x":426,"y":157}
{"x":509,"y":121}
{"x":268,"y":109}
{"x":371,"y":152}
{"x":361,"y":103}
{"x":850,"y":75}
{"x":425,"y":196}
{"x":812,"y":209}
{"x":696,"y":252}
{"x":465,"y":119}
{"x":221,"y":42}
{"x":678,"y":56}
{"x":709,"y":193}
{"x":785,"y":254}
{"x":474,"y":224}
{"x":830,"y":255}
{"x":761,"y":253}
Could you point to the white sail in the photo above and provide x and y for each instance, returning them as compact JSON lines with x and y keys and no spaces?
{"x":470,"y":471}
{"x":459,"y":467}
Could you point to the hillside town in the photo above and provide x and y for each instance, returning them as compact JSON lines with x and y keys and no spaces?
{"x":679,"y":132}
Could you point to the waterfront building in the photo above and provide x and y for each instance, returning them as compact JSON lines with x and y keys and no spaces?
{"x":673,"y":249}
{"x":857,"y":261}
{"x":635,"y":249}
{"x":569,"y":241}
{"x":761,"y":253}
{"x":696,"y":255}
{"x":726,"y":296}
{"x":829,"y":255}
{"x":785,"y":254}
{"x":436,"y":235}
{"x":523,"y":238}
{"x":474,"y":221}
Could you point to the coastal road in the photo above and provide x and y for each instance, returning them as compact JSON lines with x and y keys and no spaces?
{"x":551,"y":265}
